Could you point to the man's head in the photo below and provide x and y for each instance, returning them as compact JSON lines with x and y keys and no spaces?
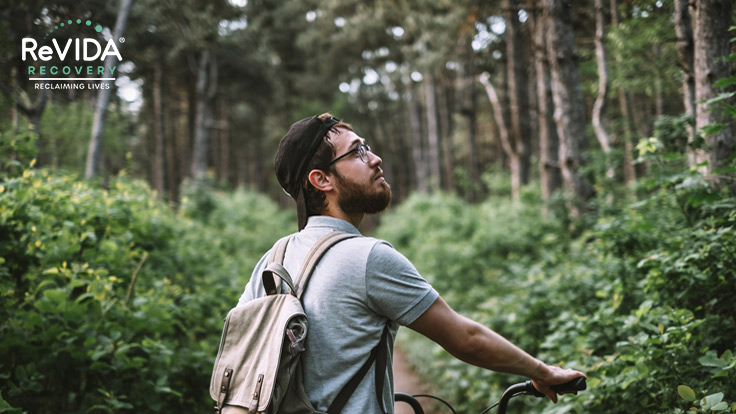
{"x":328,"y":169}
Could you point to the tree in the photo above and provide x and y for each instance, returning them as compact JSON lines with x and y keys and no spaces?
{"x":549,"y":166}
{"x":568,"y":100}
{"x":98,"y":125}
{"x":206,"y":87}
{"x":685,"y":51}
{"x":624,"y":101}
{"x":433,"y":143}
{"x":600,"y":100}
{"x":711,"y":39}
{"x":518,"y":98}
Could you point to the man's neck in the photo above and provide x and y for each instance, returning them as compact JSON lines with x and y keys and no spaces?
{"x":354,"y":219}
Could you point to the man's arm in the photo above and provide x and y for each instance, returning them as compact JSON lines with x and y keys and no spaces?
{"x":475,"y":344}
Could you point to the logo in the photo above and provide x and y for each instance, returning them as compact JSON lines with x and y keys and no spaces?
{"x":70,"y":59}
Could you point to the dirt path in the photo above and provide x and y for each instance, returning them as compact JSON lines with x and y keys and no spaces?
{"x":406,"y":381}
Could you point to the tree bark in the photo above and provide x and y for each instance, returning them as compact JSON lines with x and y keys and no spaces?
{"x":504,"y":136}
{"x":624,"y":101}
{"x":420,"y":168}
{"x":549,"y":166}
{"x":518,"y":87}
{"x":569,"y":105}
{"x":223,"y":166}
{"x":206,"y":87}
{"x":600,"y":100}
{"x":159,"y":158}
{"x":686,"y":53}
{"x":448,"y":159}
{"x":173,"y":178}
{"x":711,"y":38}
{"x":433,"y":148}
{"x":103,"y":98}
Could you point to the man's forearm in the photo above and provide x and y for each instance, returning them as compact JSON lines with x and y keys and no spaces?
{"x":487,"y":349}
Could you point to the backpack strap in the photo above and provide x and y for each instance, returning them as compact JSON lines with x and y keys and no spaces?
{"x":379,"y":356}
{"x":271,"y":275}
{"x":316,"y":253}
{"x":278,"y":251}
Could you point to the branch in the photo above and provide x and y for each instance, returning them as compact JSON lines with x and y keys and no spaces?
{"x":503,"y":132}
{"x":132,"y":280}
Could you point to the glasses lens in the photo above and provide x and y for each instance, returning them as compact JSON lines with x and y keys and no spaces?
{"x":363,"y":152}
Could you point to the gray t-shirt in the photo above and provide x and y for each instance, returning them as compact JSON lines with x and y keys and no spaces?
{"x":359,"y":286}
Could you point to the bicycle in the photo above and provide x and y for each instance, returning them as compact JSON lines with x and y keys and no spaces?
{"x":522,"y":388}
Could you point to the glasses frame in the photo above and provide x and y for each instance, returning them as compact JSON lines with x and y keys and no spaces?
{"x":362,"y":151}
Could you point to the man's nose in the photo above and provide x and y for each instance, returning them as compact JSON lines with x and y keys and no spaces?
{"x":374,"y":159}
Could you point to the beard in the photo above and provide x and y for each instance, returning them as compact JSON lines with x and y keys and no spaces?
{"x":358,"y":198}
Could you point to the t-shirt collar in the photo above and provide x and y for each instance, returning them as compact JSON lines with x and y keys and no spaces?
{"x":332,"y":223}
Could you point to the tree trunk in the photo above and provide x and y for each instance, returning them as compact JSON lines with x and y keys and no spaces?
{"x":549,"y":166}
{"x":206,"y":87}
{"x":518,"y":87}
{"x":569,"y":105}
{"x":159,"y":157}
{"x":415,"y":131}
{"x":504,"y":136}
{"x":224,"y":139}
{"x":712,"y":21}
{"x":624,"y":101}
{"x":433,"y":148}
{"x":658,"y":89}
{"x":686,"y":53}
{"x":172,"y":168}
{"x":103,"y":97}
{"x":468,"y":108}
{"x":600,"y":100}
{"x":448,"y":159}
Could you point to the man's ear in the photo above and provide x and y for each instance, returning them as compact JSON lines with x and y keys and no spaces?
{"x":320,"y":180}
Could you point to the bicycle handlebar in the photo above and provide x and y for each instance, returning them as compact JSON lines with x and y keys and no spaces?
{"x":409,"y":399}
{"x":571,"y":387}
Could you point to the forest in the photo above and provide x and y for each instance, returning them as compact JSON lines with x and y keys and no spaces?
{"x":563,"y":172}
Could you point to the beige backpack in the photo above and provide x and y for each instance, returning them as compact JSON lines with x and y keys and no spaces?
{"x":257,"y":369}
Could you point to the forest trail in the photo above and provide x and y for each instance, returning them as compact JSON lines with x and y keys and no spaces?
{"x":406,"y":381}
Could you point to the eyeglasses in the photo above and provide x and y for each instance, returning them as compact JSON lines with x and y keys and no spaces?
{"x":362,"y":150}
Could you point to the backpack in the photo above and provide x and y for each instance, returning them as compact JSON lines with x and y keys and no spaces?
{"x":257,"y":369}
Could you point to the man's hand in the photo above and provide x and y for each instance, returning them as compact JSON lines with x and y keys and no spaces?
{"x":554,"y":376}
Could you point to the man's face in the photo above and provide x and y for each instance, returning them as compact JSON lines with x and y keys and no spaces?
{"x":361,"y":186}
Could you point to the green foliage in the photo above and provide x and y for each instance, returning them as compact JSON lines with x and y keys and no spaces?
{"x":111,"y":301}
{"x":17,"y":152}
{"x":642,"y":301}
{"x":63,"y":146}
{"x":644,"y":47}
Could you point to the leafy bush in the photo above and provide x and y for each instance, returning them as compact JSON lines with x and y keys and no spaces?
{"x":113,"y":302}
{"x":642,"y":301}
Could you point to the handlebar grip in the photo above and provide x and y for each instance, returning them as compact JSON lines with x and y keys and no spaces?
{"x":570,"y":387}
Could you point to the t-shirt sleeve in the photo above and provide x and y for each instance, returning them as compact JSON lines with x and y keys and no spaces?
{"x":394,"y":287}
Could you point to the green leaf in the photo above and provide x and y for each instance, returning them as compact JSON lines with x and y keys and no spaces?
{"x":686,"y":393}
{"x":725,"y":82}
{"x":711,"y":401}
{"x":711,"y":360}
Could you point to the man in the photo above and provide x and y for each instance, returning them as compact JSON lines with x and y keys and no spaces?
{"x":362,"y":287}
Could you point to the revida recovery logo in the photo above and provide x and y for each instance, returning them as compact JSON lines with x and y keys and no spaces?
{"x":70,"y":59}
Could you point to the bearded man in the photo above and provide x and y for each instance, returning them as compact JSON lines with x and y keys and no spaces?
{"x":362,"y":289}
